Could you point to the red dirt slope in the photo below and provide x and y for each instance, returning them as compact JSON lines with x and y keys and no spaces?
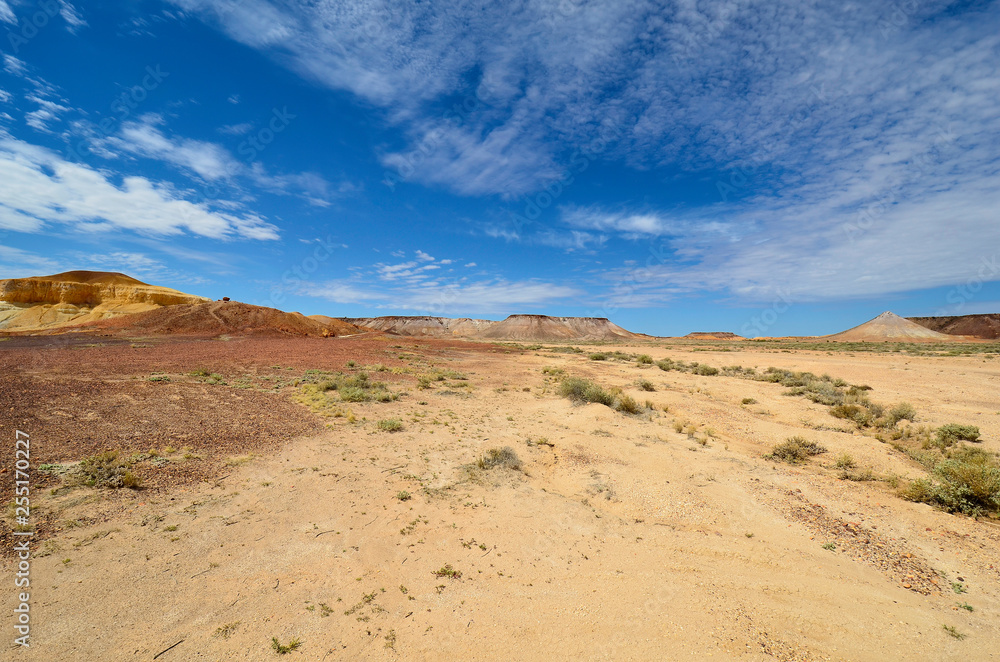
{"x":977,"y":326}
{"x":220,"y":318}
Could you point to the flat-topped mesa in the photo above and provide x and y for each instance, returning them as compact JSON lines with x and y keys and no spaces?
{"x":76,"y":297}
{"x":422,"y":325}
{"x":89,"y":289}
{"x":545,"y":328}
{"x":514,"y":327}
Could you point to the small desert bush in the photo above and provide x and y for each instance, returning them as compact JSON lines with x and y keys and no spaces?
{"x":504,"y":457}
{"x":583,"y":390}
{"x":748,"y":401}
{"x":967,"y":481}
{"x":705,"y":370}
{"x":666,"y":365}
{"x":598,"y":356}
{"x":285,"y":649}
{"x":949,"y":434}
{"x":627,"y":404}
{"x":795,"y":450}
{"x":390,"y":425}
{"x":644,"y":359}
{"x":107,"y":469}
{"x":845,"y":461}
{"x":646,"y":385}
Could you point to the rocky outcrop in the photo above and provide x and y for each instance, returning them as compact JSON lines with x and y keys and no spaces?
{"x":76,"y":297}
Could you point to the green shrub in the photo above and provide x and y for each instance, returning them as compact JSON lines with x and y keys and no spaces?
{"x":903,"y":411}
{"x":705,"y":370}
{"x":666,"y":365}
{"x":748,"y":401}
{"x":644,"y":359}
{"x":949,"y":434}
{"x":626,"y":404}
{"x":646,"y":385}
{"x":390,"y":425}
{"x":598,"y":356}
{"x":795,"y":450}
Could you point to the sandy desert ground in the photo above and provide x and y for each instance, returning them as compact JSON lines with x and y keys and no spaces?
{"x":270,"y":509}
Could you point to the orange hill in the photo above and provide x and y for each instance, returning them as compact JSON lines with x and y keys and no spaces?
{"x":75,"y":297}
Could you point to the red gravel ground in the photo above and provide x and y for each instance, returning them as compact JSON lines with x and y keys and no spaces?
{"x":80,"y":394}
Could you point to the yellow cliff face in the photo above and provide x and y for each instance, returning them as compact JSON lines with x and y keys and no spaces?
{"x":74,"y":297}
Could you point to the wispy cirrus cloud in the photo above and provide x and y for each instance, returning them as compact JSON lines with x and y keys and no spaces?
{"x":808,"y":114}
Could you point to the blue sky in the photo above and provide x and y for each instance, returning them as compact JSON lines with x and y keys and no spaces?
{"x":767,"y":168}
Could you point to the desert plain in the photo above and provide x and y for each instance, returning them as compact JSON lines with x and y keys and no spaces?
{"x":382,"y":497}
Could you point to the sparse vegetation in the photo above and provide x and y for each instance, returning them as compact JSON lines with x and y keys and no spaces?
{"x":748,"y":401}
{"x":795,"y":450}
{"x":953,"y":632}
{"x":226,"y":631}
{"x":448,"y":571}
{"x":403,"y":495}
{"x":583,"y":390}
{"x":390,"y":425}
{"x":499,"y":457}
{"x":646,"y":385}
{"x":108,"y":469}
{"x":285,"y":649}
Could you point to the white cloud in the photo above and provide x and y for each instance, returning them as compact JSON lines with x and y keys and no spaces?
{"x":208,"y":160}
{"x":424,"y":257}
{"x":47,"y":112}
{"x":236,"y":129}
{"x":212,"y":162}
{"x":71,"y":15}
{"x":813,"y":111}
{"x":234,"y":99}
{"x":18,"y":263}
{"x":5,"y":96}
{"x":14,"y":66}
{"x":6,"y":13}
{"x":39,"y":188}
{"x":489,"y":296}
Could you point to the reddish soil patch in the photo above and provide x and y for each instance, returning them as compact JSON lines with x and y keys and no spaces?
{"x":79,"y":394}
